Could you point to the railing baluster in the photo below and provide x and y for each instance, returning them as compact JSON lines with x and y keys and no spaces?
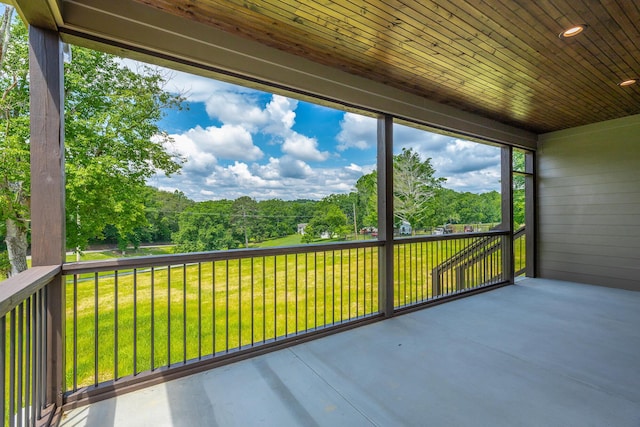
{"x":135,"y":321}
{"x":333,"y":287}
{"x":3,"y":367}
{"x":199,"y":311}
{"x":75,"y":332}
{"x":286,"y":295}
{"x":184,"y":313}
{"x":12,"y":367}
{"x":296,"y":281}
{"x":34,"y":357}
{"x":252,"y":297}
{"x":349,"y":281}
{"x":315,"y":289}
{"x":153,"y":319}
{"x":264,"y":299}
{"x":115,"y":328}
{"x":19,"y":362}
{"x":27,"y":362}
{"x":357,"y":283}
{"x":275,"y":297}
{"x":169,"y":315}
{"x":324,"y":283}
{"x":239,"y":302}
{"x":213,"y":308}
{"x":226,"y":348}
{"x":95,"y":329}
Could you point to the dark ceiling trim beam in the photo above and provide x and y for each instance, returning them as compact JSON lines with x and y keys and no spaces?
{"x":144,"y":29}
{"x":45,"y":14}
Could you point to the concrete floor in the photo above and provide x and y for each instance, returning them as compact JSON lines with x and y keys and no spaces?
{"x":540,"y":353}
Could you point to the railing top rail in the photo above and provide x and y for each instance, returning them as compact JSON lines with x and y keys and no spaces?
{"x":18,"y":288}
{"x":519,"y":232}
{"x":195,"y":257}
{"x":439,"y":237}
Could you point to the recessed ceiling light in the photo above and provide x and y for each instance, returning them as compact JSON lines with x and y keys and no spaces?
{"x":628,"y":82}
{"x":573,"y":31}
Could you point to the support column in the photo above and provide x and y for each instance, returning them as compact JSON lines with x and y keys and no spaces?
{"x":385,"y":214}
{"x":530,"y":212}
{"x":506,"y":160}
{"x":47,"y":189}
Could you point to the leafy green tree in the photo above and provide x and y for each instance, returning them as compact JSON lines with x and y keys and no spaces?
{"x":329,"y":219}
{"x":112,"y":144}
{"x":205,"y":226}
{"x":414,"y":186}
{"x":243,"y":216}
{"x":348,"y":205}
{"x":275,"y":218}
{"x":162,"y":209}
{"x":367,"y":195}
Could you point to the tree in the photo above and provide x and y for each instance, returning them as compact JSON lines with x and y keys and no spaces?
{"x":414,"y":186}
{"x":328,"y":219}
{"x":275,"y":218}
{"x":112,"y":144}
{"x":243,"y":216}
{"x":205,"y":226}
{"x":367,"y":195}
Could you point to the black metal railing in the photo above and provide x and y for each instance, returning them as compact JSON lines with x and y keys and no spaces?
{"x":23,"y":348}
{"x":135,"y":320}
{"x":136,"y":316}
{"x":432,"y":267}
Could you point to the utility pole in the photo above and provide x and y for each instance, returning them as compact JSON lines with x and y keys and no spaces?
{"x":355,"y":224}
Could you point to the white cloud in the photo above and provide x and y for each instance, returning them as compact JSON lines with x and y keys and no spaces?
{"x":357,"y":131}
{"x":231,"y":142}
{"x":236,"y":109}
{"x":284,"y":167}
{"x":281,"y":115}
{"x":303,"y":148}
{"x":196,"y":160}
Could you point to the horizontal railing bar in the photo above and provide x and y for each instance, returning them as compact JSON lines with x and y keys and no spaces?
{"x":195,"y":257}
{"x":453,"y":236}
{"x":18,"y":288}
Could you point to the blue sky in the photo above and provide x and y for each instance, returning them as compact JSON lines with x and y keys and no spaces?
{"x":238,"y":141}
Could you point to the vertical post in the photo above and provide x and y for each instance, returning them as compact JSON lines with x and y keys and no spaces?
{"x":530,"y":212}
{"x":47,"y":190}
{"x":385,"y":214}
{"x":506,"y":172}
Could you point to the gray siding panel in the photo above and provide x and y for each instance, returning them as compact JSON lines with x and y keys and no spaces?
{"x":589,"y":204}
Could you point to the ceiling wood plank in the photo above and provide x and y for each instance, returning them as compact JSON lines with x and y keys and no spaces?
{"x":501,"y":59}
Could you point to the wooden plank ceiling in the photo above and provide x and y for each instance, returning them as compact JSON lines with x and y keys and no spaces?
{"x":502,"y":59}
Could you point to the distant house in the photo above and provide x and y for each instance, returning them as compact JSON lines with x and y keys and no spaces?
{"x":405,"y":228}
{"x":301,"y":228}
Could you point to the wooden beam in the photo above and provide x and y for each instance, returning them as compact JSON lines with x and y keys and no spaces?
{"x":385,"y":214}
{"x":46,"y":14}
{"x":47,"y":188}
